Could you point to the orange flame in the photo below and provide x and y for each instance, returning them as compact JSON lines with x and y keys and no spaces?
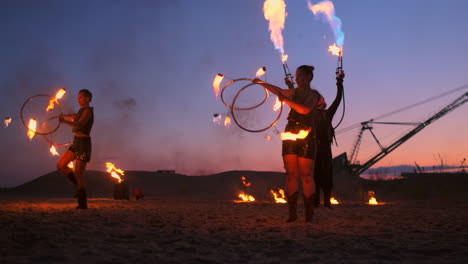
{"x":54,"y":100}
{"x":7,"y":121}
{"x":245,"y":182}
{"x":372,"y":199}
{"x":227,"y":121}
{"x":32,"y":128}
{"x":268,"y":137}
{"x":275,"y":12}
{"x":284,"y":58}
{"x":53,"y":151}
{"x":114,"y":172}
{"x":261,"y":72}
{"x":290,"y":136}
{"x":333,"y":200}
{"x":335,"y":50}
{"x":277,"y":105}
{"x":217,"y":81}
{"x":70,"y":165}
{"x":245,"y":198}
{"x":279,"y":197}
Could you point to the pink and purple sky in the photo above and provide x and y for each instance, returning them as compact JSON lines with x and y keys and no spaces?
{"x":151,"y":64}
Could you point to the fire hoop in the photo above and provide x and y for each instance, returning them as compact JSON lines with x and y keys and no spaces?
{"x":248,"y":108}
{"x":50,"y":140}
{"x":43,"y":133}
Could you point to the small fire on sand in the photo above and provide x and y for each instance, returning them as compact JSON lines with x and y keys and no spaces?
{"x":372,"y":199}
{"x":333,"y":200}
{"x":280,"y":196}
{"x":114,"y":172}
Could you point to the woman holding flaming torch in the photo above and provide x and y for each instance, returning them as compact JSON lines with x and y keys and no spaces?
{"x":299,"y":154}
{"x":80,"y":150}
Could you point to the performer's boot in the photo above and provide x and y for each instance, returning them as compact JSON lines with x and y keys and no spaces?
{"x":309,"y":208}
{"x":82,"y":200}
{"x":292,"y":207}
{"x":71,"y":178}
{"x":326,"y":198}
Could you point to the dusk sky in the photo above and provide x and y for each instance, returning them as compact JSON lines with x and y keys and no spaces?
{"x":151,"y":65}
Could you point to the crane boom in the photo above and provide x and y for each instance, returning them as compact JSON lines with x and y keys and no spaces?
{"x":385,"y":151}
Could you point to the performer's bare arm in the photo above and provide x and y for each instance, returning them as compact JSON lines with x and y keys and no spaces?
{"x":77,"y":124}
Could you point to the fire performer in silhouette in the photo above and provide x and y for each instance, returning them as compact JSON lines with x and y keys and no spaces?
{"x":80,"y":150}
{"x":323,"y":175}
{"x":299,"y":155}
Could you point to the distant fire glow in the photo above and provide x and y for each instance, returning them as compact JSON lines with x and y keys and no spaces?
{"x":7,"y":121}
{"x":290,"y":136}
{"x":279,"y":197}
{"x":55,"y":99}
{"x":245,"y":198}
{"x":217,"y":81}
{"x":32,"y":128}
{"x":245,"y":182}
{"x":114,"y":172}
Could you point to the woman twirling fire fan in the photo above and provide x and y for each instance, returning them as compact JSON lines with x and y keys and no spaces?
{"x":80,"y":150}
{"x":299,"y":153}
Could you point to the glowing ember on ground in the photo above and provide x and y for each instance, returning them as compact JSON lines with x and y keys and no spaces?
{"x":333,"y":200}
{"x":53,"y":151}
{"x":32,"y":128}
{"x":290,"y":136}
{"x":217,"y":81}
{"x":55,"y":99}
{"x":261,"y":72}
{"x":372,"y":199}
{"x":279,"y":197}
{"x":227,"y":121}
{"x":245,"y":198}
{"x":245,"y":182}
{"x":114,"y":172}
{"x":275,"y":12}
{"x":335,"y":50}
{"x":7,"y":121}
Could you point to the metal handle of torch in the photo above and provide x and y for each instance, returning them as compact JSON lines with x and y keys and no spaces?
{"x":288,"y":74}
{"x":339,"y":68}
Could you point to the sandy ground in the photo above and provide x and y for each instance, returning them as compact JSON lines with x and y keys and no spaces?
{"x":169,"y":231}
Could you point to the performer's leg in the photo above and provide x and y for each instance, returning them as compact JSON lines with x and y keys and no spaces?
{"x":290,"y":165}
{"x":62,"y":166}
{"x":306,"y":171}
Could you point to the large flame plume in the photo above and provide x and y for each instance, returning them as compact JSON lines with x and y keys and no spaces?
{"x":32,"y":126}
{"x":328,"y":9}
{"x":279,"y":196}
{"x":275,"y":12}
{"x":290,"y":136}
{"x":114,"y":172}
{"x":7,"y":121}
{"x":54,"y":100}
{"x":216,"y":82}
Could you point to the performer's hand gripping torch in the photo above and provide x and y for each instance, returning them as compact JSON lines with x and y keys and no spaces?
{"x":289,"y":79}
{"x":339,"y":69}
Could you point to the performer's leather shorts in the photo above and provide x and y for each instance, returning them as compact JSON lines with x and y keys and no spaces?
{"x":303,"y":148}
{"x":82,"y":148}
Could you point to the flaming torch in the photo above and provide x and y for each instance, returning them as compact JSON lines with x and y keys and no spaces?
{"x":216,"y":82}
{"x":32,"y":128}
{"x":114,"y":172}
{"x":53,"y":151}
{"x":328,"y":10}
{"x":54,"y":100}
{"x":7,"y":121}
{"x":275,"y":12}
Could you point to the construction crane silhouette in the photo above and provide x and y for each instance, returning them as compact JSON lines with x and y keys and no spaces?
{"x":357,"y":169}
